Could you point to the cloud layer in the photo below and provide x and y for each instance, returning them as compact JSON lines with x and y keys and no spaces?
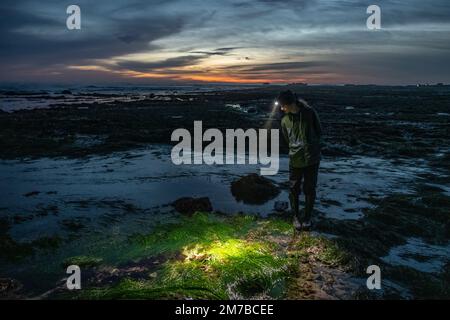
{"x":177,"y":41}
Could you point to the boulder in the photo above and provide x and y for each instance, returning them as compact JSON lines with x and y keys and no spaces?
{"x":188,"y":205}
{"x":9,"y":288}
{"x":254,"y":189}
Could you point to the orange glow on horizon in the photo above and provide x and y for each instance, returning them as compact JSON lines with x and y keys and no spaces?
{"x":210,"y":78}
{"x":201,"y":76}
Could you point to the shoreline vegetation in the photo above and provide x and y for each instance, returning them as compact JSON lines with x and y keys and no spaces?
{"x":207,"y":254}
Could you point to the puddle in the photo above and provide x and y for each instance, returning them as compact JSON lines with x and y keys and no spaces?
{"x":96,"y":203}
{"x":145,"y":180}
{"x":419,"y":255}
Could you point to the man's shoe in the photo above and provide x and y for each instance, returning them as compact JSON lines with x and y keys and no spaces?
{"x":297,"y":224}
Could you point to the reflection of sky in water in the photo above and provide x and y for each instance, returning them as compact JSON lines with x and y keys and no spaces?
{"x":148,"y":179}
{"x":419,"y":255}
{"x":127,"y":192}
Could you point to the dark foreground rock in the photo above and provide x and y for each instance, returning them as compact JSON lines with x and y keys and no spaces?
{"x":190,"y":205}
{"x":254,"y":189}
{"x":9,"y":288}
{"x":281,"y":206}
{"x":392,"y":223}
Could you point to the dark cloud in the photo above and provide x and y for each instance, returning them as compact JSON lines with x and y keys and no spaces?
{"x":25,"y":42}
{"x":218,"y":52}
{"x":168,"y":63}
{"x":330,"y":37}
{"x":283,"y":66}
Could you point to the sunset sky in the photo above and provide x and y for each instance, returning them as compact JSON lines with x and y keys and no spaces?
{"x":240,"y":41}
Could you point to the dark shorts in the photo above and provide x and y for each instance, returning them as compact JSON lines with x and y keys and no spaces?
{"x":309,"y":177}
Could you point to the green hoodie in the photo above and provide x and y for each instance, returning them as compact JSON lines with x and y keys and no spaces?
{"x":302,"y":132}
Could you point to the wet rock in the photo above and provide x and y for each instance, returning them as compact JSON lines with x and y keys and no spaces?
{"x":19,"y":219}
{"x":31,"y":194}
{"x":66,"y":92}
{"x":392,"y":220}
{"x":97,"y":274}
{"x":43,"y":211}
{"x":74,"y":224}
{"x":4,"y":226}
{"x":281,"y":206}
{"x":9,"y":288}
{"x":190,"y":205}
{"x":254,"y":189}
{"x":52,"y":242}
{"x":11,"y":250}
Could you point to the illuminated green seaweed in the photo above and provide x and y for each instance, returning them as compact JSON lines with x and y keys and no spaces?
{"x":211,"y":256}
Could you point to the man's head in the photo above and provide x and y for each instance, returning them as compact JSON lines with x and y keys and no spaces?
{"x":287,"y":101}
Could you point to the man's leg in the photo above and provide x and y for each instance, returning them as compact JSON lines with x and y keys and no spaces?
{"x":295,"y":182}
{"x":309,"y":187}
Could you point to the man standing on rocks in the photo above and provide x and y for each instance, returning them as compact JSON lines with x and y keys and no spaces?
{"x":301,"y":129}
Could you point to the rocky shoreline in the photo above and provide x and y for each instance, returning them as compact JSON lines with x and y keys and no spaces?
{"x":405,"y":125}
{"x":394,"y":122}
